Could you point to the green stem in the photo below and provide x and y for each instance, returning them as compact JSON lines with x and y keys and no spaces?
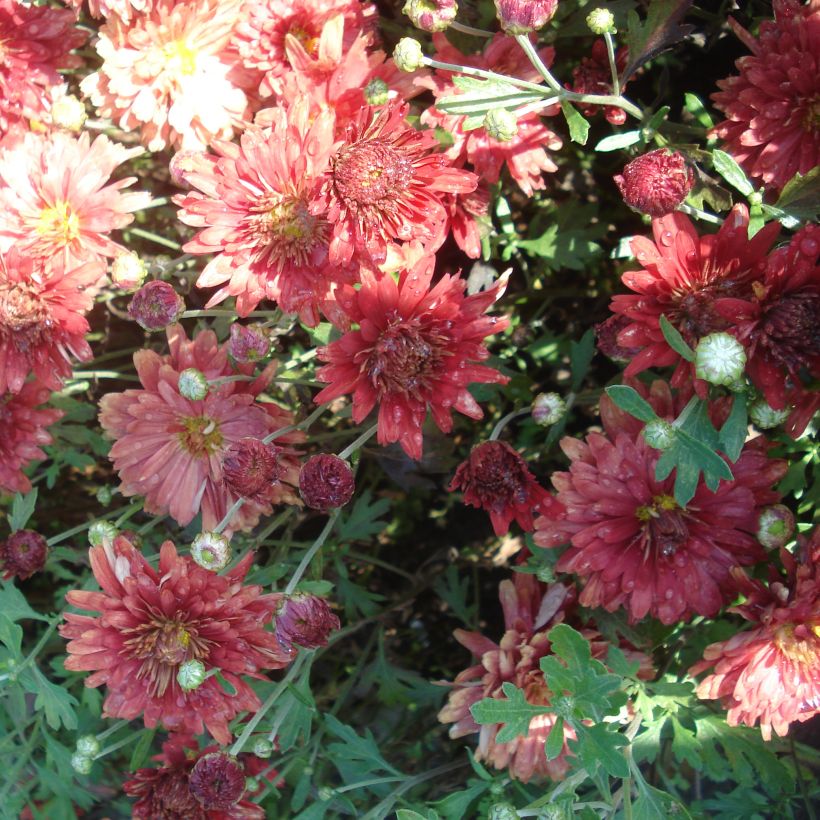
{"x":103,"y":374}
{"x":119,"y":744}
{"x":302,"y":425}
{"x":351,"y":448}
{"x":535,"y":58}
{"x":700,"y":214}
{"x":487,"y":75}
{"x":56,"y":539}
{"x":159,"y":240}
{"x":40,"y":644}
{"x":498,"y":429}
{"x":311,"y":553}
{"x":610,"y":53}
{"x":476,"y":32}
{"x":115,"y":727}
{"x":214,"y":312}
{"x":229,"y":515}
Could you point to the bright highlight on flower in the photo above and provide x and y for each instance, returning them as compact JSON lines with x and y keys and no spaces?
{"x":720,"y":359}
{"x":128,"y":270}
{"x":601,"y":21}
{"x":69,"y":113}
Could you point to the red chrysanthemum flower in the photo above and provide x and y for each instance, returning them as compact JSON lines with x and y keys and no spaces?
{"x":152,"y":621}
{"x":385,"y":183}
{"x":631,"y":542}
{"x":496,"y":478}
{"x":771,"y":674}
{"x":42,"y":318}
{"x":252,"y":200}
{"x":170,"y":449}
{"x":416,"y":348}
{"x":22,"y":554}
{"x":657,"y":182}
{"x":531,"y":610}
{"x":684,"y":277}
{"x":56,"y":196}
{"x":773,"y":106}
{"x":23,"y":431}
{"x":594,"y":76}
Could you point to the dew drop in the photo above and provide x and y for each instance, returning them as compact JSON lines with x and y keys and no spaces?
{"x":667,"y":239}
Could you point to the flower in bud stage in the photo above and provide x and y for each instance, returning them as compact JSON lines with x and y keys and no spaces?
{"x":81,"y":763}
{"x":304,"y":620}
{"x":88,"y":746}
{"x":100,"y":532}
{"x":217,"y":781}
{"x":248,"y":343}
{"x":548,"y":409}
{"x":376,"y":92}
{"x":250,"y":468}
{"x":191,"y":675}
{"x":326,"y":482}
{"x":156,"y":305}
{"x":23,"y":554}
{"x":501,"y":124}
{"x":128,"y":270}
{"x":431,"y":15}
{"x":601,"y":21}
{"x":263,"y":748}
{"x":193,"y":384}
{"x":524,"y":16}
{"x":408,"y":55}
{"x":656,"y":183}
{"x":184,"y":163}
{"x":764,"y":416}
{"x":68,"y":113}
{"x":775,"y":526}
{"x":659,"y":434}
{"x":719,"y":359}
{"x":104,"y":495}
{"x":502,"y":811}
{"x":211,"y":551}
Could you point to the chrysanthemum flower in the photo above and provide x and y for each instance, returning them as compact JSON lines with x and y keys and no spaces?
{"x":56,"y":197}
{"x":36,"y":43}
{"x":23,"y":431}
{"x":657,"y":182}
{"x":152,"y":621}
{"x":42,"y":317}
{"x":169,"y":74}
{"x":252,"y":201}
{"x":631,"y":542}
{"x":497,"y":479}
{"x":22,"y":554}
{"x":769,"y":674}
{"x":416,"y":348}
{"x":594,"y":76}
{"x":170,"y":449}
{"x":123,"y":9}
{"x":385,"y":183}
{"x":772,"y":124}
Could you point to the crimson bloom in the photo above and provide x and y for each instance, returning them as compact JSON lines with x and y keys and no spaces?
{"x":771,"y":125}
{"x":594,"y":76}
{"x":657,"y":182}
{"x":152,"y":621}
{"x":631,"y":542}
{"x":22,"y":554}
{"x":417,"y":347}
{"x":769,"y":674}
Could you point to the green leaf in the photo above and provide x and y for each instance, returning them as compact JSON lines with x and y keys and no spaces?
{"x":455,"y":806}
{"x":616,"y":660}
{"x":653,"y":804}
{"x":299,"y":708}
{"x":409,"y":814}
{"x":580,"y":358}
{"x":690,"y":457}
{"x":735,"y":428}
{"x":141,"y":750}
{"x":726,"y":165}
{"x":14,"y":605}
{"x":563,"y":247}
{"x":362,"y":520}
{"x":515,"y":713}
{"x":675,"y":340}
{"x":657,"y":118}
{"x":800,"y":197}
{"x":11,"y":636}
{"x":555,"y":740}
{"x":57,"y":703}
{"x":480,"y":96}
{"x":615,"y":142}
{"x":685,"y":745}
{"x":21,"y":510}
{"x":600,"y":745}
{"x":644,"y":40}
{"x":353,"y":747}
{"x":570,"y":645}
{"x":694,"y":105}
{"x":630,"y":401}
{"x":578,"y":126}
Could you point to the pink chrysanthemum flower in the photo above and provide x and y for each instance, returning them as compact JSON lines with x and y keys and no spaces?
{"x":36,"y":41}
{"x":123,"y":9}
{"x":170,"y":449}
{"x":416,"y":348}
{"x":252,"y":200}
{"x":42,"y":317}
{"x":152,"y":621}
{"x":56,"y":197}
{"x":631,"y":542}
{"x":385,"y":183}
{"x":772,"y":124}
{"x":23,"y":431}
{"x":770,"y":674}
{"x":169,"y":74}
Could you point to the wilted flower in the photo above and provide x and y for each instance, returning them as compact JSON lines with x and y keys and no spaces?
{"x":156,"y":305}
{"x":250,"y":468}
{"x":656,"y":183}
{"x":217,"y":781}
{"x":326,"y":482}
{"x":248,"y":343}
{"x":304,"y":620}
{"x":524,"y":16}
{"x":22,"y":554}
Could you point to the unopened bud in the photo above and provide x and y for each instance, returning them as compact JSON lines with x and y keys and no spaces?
{"x":775,"y":526}
{"x":250,"y":468}
{"x":431,"y":15}
{"x":191,"y":675}
{"x":326,"y":793}
{"x":501,"y":124}
{"x":376,"y":92}
{"x":326,"y":482}
{"x":217,"y":781}
{"x":656,"y":183}
{"x":524,"y":16}
{"x":262,"y":747}
{"x":156,"y":305}
{"x":659,"y":434}
{"x":88,"y":746}
{"x":548,"y":409}
{"x":719,"y":359}
{"x":211,"y":550}
{"x":81,"y":763}
{"x":248,"y":343}
{"x":101,"y":532}
{"x":128,"y":270}
{"x":502,"y":811}
{"x":764,"y":416}
{"x":193,"y":384}
{"x":68,"y":113}
{"x":601,"y":21}
{"x":408,"y":55}
{"x":104,"y":495}
{"x":184,"y":163}
{"x":304,"y":620}
{"x":23,"y":553}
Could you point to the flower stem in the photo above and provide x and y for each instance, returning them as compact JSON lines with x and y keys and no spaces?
{"x":610,"y":53}
{"x":302,"y":425}
{"x":56,"y":539}
{"x":487,"y":75}
{"x":118,"y":745}
{"x":497,"y":430}
{"x":535,"y":58}
{"x":214,"y":312}
{"x":476,"y":32}
{"x":229,"y":515}
{"x":159,"y":240}
{"x":311,"y":553}
{"x":699,"y":214}
{"x":114,"y":727}
{"x":351,"y":448}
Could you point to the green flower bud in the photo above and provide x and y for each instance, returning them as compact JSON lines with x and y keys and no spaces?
{"x":548,"y":409}
{"x":325,"y":793}
{"x":104,"y":495}
{"x":719,"y":359}
{"x":191,"y":674}
{"x":100,"y":532}
{"x":263,"y":747}
{"x":764,"y":416}
{"x":408,"y":55}
{"x":81,"y":763}
{"x":502,"y":811}
{"x":192,"y":384}
{"x":659,"y":434}
{"x":211,"y":550}
{"x":501,"y":124}
{"x":601,"y":21}
{"x":88,"y":746}
{"x":376,"y":92}
{"x":775,"y":526}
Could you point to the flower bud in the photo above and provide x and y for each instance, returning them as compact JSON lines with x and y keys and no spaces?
{"x":548,"y":409}
{"x":193,"y":384}
{"x":68,"y":113}
{"x":502,"y":811}
{"x":408,"y":55}
{"x":601,"y":21}
{"x":263,"y":748}
{"x":104,"y":495}
{"x":764,"y":416}
{"x":128,"y":270}
{"x":775,"y":526}
{"x":100,"y":532}
{"x":184,"y":163}
{"x":719,"y":359}
{"x":431,"y":15}
{"x":376,"y":92}
{"x":659,"y":434}
{"x":656,"y":183}
{"x":217,"y":781}
{"x":211,"y":551}
{"x":156,"y":305}
{"x":88,"y":746}
{"x":304,"y":620}
{"x":190,"y":675}
{"x":248,"y":343}
{"x":501,"y":124}
{"x":326,"y":482}
{"x":250,"y":468}
{"x":524,"y":16}
{"x":81,"y":763}
{"x":23,"y":553}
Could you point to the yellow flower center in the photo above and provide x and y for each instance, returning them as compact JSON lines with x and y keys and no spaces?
{"x":59,"y":222}
{"x":799,"y":643}
{"x":181,"y":58}
{"x":309,"y":42}
{"x":659,"y":503}
{"x":199,"y":435}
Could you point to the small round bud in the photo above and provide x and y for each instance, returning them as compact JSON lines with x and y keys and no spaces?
{"x":128,"y":270}
{"x":326,"y":482}
{"x":656,"y":183}
{"x":101,"y":532}
{"x":764,"y":416}
{"x":88,"y":746}
{"x":248,"y":343}
{"x":376,"y":92}
{"x":719,"y":359}
{"x":23,"y":553}
{"x":156,"y":305}
{"x":104,"y":495}
{"x":659,"y":434}
{"x":184,"y":163}
{"x":408,"y":55}
{"x":190,"y":675}
{"x":325,"y":793}
{"x":263,"y":748}
{"x":193,"y":384}
{"x":217,"y":781}
{"x":548,"y":409}
{"x":775,"y":526}
{"x":431,"y":15}
{"x":211,"y":550}
{"x":250,"y":468}
{"x":524,"y":16}
{"x":501,"y":124}
{"x":81,"y":763}
{"x":304,"y":620}
{"x":601,"y":21}
{"x":502,"y":811}
{"x":68,"y":113}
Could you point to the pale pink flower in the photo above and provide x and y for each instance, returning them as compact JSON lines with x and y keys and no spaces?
{"x":124,"y":9}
